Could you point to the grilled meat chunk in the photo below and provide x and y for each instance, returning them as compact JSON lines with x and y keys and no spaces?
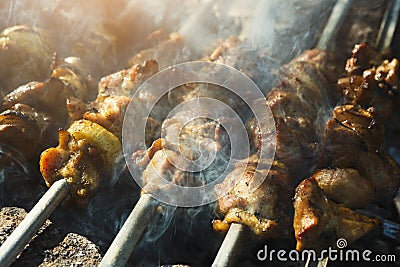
{"x":319,"y":222}
{"x":25,"y":131}
{"x":81,"y":156}
{"x":263,"y":209}
{"x":370,"y":85}
{"x":359,"y":173}
{"x":114,"y":95}
{"x":354,"y":129}
{"x":24,"y":56}
{"x":346,"y":186}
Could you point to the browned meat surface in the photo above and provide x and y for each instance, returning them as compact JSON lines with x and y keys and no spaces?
{"x":355,"y":171}
{"x":354,"y":129}
{"x":299,"y":104}
{"x":114,"y":96}
{"x":346,"y":186}
{"x":370,"y":85}
{"x":263,"y":209}
{"x":319,"y":222}
{"x":182,"y":144}
{"x":24,"y":56}
{"x":86,"y":154}
{"x":24,"y":132}
{"x":91,"y":148}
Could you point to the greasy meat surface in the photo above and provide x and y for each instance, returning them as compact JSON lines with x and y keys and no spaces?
{"x":263,"y":209}
{"x":354,"y":129}
{"x":319,"y":222}
{"x":81,"y":156}
{"x":25,"y":131}
{"x":346,"y":186}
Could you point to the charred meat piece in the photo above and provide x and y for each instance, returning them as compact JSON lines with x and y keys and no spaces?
{"x":319,"y":222}
{"x":265,"y":208}
{"x":346,"y":186}
{"x":354,"y":129}
{"x":25,"y":131}
{"x":86,"y":153}
{"x":24,"y":56}
{"x":375,"y":86}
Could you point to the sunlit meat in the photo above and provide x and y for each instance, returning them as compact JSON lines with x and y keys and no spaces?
{"x":24,"y":56}
{"x":90,"y":148}
{"x":319,"y":221}
{"x":354,"y":169}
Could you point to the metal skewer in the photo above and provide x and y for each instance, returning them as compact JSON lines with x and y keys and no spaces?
{"x":388,"y":26}
{"x":127,"y":238}
{"x":23,"y":234}
{"x":230,"y":248}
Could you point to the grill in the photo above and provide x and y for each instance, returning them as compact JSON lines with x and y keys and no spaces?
{"x":146,"y":209}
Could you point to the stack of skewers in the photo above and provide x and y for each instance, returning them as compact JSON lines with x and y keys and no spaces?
{"x":89,"y":150}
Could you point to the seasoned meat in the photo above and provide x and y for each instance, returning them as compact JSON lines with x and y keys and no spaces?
{"x":373,"y":86}
{"x":299,"y":103}
{"x":319,"y":222}
{"x":346,"y":186}
{"x":86,"y":154}
{"x":263,"y":209}
{"x":115,"y":94}
{"x":354,"y":170}
{"x":354,"y":129}
{"x":25,"y":131}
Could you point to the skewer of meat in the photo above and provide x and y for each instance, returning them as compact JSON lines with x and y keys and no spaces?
{"x":27,"y":126}
{"x":357,"y":179}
